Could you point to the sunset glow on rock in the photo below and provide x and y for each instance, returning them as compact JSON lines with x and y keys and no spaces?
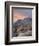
{"x":18,"y":16}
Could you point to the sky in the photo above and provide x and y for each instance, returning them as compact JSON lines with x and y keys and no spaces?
{"x":22,"y":13}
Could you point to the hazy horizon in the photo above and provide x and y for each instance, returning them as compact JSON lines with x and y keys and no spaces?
{"x":21,"y":13}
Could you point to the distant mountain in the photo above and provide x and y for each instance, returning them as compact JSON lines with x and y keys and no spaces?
{"x":23,"y":22}
{"x":27,"y":21}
